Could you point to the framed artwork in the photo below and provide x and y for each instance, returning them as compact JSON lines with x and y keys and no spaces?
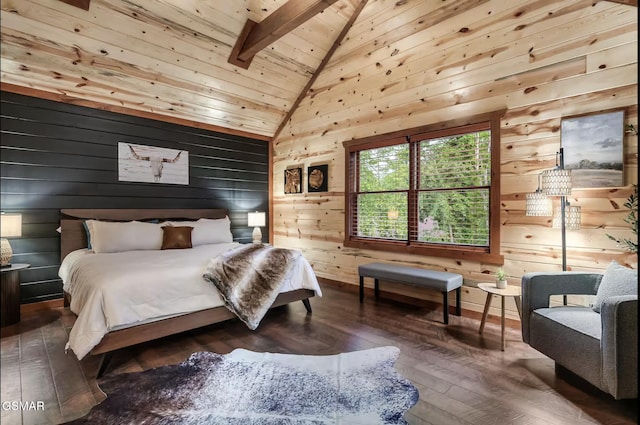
{"x":293,"y":180}
{"x":318,"y":178}
{"x":593,"y":149}
{"x":139,"y":163}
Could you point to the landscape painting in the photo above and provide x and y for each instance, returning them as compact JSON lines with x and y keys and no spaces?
{"x":139,"y":163}
{"x":592,"y":146}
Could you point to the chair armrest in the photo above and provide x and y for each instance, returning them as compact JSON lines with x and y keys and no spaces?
{"x":620,"y":345}
{"x":539,"y":286}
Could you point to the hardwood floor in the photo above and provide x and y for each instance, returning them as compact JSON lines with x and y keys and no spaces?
{"x":463,"y":377}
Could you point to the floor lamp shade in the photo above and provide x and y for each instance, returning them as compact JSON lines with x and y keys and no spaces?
{"x":10,"y":227}
{"x":556,"y":182}
{"x":572,"y":217}
{"x":256,"y":220}
{"x":539,"y":205}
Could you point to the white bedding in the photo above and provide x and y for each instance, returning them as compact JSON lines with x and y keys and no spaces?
{"x":114,"y":290}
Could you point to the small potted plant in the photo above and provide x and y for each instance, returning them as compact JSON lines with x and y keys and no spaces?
{"x":501,"y":279}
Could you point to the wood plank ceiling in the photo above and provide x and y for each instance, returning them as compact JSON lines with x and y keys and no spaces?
{"x":166,"y":56}
{"x":171,"y":57}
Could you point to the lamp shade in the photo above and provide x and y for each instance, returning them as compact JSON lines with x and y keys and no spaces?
{"x":556,"y":182}
{"x":256,"y":219}
{"x":10,"y":225}
{"x":539,"y":205}
{"x":572,"y":216}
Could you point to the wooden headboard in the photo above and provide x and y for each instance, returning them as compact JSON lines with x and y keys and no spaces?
{"x":73,"y":235}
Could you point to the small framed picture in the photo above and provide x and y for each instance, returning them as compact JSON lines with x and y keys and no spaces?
{"x":293,"y":180}
{"x":318,"y":178}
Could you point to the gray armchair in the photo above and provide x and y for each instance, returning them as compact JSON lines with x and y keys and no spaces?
{"x":601,"y":348}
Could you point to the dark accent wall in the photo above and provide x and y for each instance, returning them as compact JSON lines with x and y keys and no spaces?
{"x":57,"y":155}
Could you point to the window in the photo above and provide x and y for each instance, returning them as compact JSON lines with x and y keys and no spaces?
{"x":433,"y":190}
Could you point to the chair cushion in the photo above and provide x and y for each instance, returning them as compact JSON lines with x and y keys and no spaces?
{"x":570,"y":335}
{"x":617,"y":280}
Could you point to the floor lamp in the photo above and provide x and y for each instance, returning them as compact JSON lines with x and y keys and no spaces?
{"x":555,"y":182}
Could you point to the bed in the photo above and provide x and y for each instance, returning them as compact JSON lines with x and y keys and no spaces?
{"x":202,"y":307}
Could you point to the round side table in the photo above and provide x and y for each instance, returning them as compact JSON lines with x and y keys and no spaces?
{"x":10,"y":293}
{"x":510,"y":291}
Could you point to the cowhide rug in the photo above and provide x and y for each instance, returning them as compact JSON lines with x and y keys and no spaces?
{"x":244,"y":387}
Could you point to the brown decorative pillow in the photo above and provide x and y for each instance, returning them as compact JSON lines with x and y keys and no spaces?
{"x":176,"y":237}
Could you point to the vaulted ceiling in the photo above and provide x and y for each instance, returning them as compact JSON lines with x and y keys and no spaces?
{"x":171,"y":57}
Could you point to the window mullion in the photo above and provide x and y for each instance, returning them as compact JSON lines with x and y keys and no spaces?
{"x":412,"y":198}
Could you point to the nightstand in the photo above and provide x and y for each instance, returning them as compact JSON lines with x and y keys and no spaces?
{"x":10,"y":293}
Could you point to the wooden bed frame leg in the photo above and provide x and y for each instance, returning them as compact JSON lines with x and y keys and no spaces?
{"x":104,"y":363}
{"x":307,"y":304}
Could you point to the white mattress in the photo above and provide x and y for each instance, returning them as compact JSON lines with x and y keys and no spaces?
{"x":115,"y":290}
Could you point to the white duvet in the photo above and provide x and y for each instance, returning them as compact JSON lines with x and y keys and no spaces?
{"x":115,"y":290}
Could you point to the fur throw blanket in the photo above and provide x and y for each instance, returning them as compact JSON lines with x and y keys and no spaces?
{"x":249,"y":278}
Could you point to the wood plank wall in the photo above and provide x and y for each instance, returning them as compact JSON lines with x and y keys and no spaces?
{"x":541,"y":61}
{"x":57,"y":155}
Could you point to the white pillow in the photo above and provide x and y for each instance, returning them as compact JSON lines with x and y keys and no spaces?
{"x":207,"y":231}
{"x":124,"y":236}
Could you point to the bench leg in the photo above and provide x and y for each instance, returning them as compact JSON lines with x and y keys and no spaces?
{"x":361,"y":289}
{"x":458,"y":301}
{"x":376,"y":288}
{"x":445,"y":306}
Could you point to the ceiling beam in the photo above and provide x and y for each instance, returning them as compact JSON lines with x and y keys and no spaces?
{"x":627,"y":2}
{"x":318,"y":70}
{"x":82,"y":4}
{"x":256,"y":36}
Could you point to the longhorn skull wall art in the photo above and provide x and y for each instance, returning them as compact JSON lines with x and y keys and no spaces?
{"x":139,"y":163}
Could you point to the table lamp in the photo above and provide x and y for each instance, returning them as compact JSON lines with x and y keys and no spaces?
{"x":257,"y":220}
{"x":10,"y":227}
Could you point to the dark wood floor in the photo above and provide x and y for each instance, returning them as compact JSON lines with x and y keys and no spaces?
{"x":463,"y":377}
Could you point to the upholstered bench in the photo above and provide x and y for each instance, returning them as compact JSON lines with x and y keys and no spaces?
{"x":441,"y":281}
